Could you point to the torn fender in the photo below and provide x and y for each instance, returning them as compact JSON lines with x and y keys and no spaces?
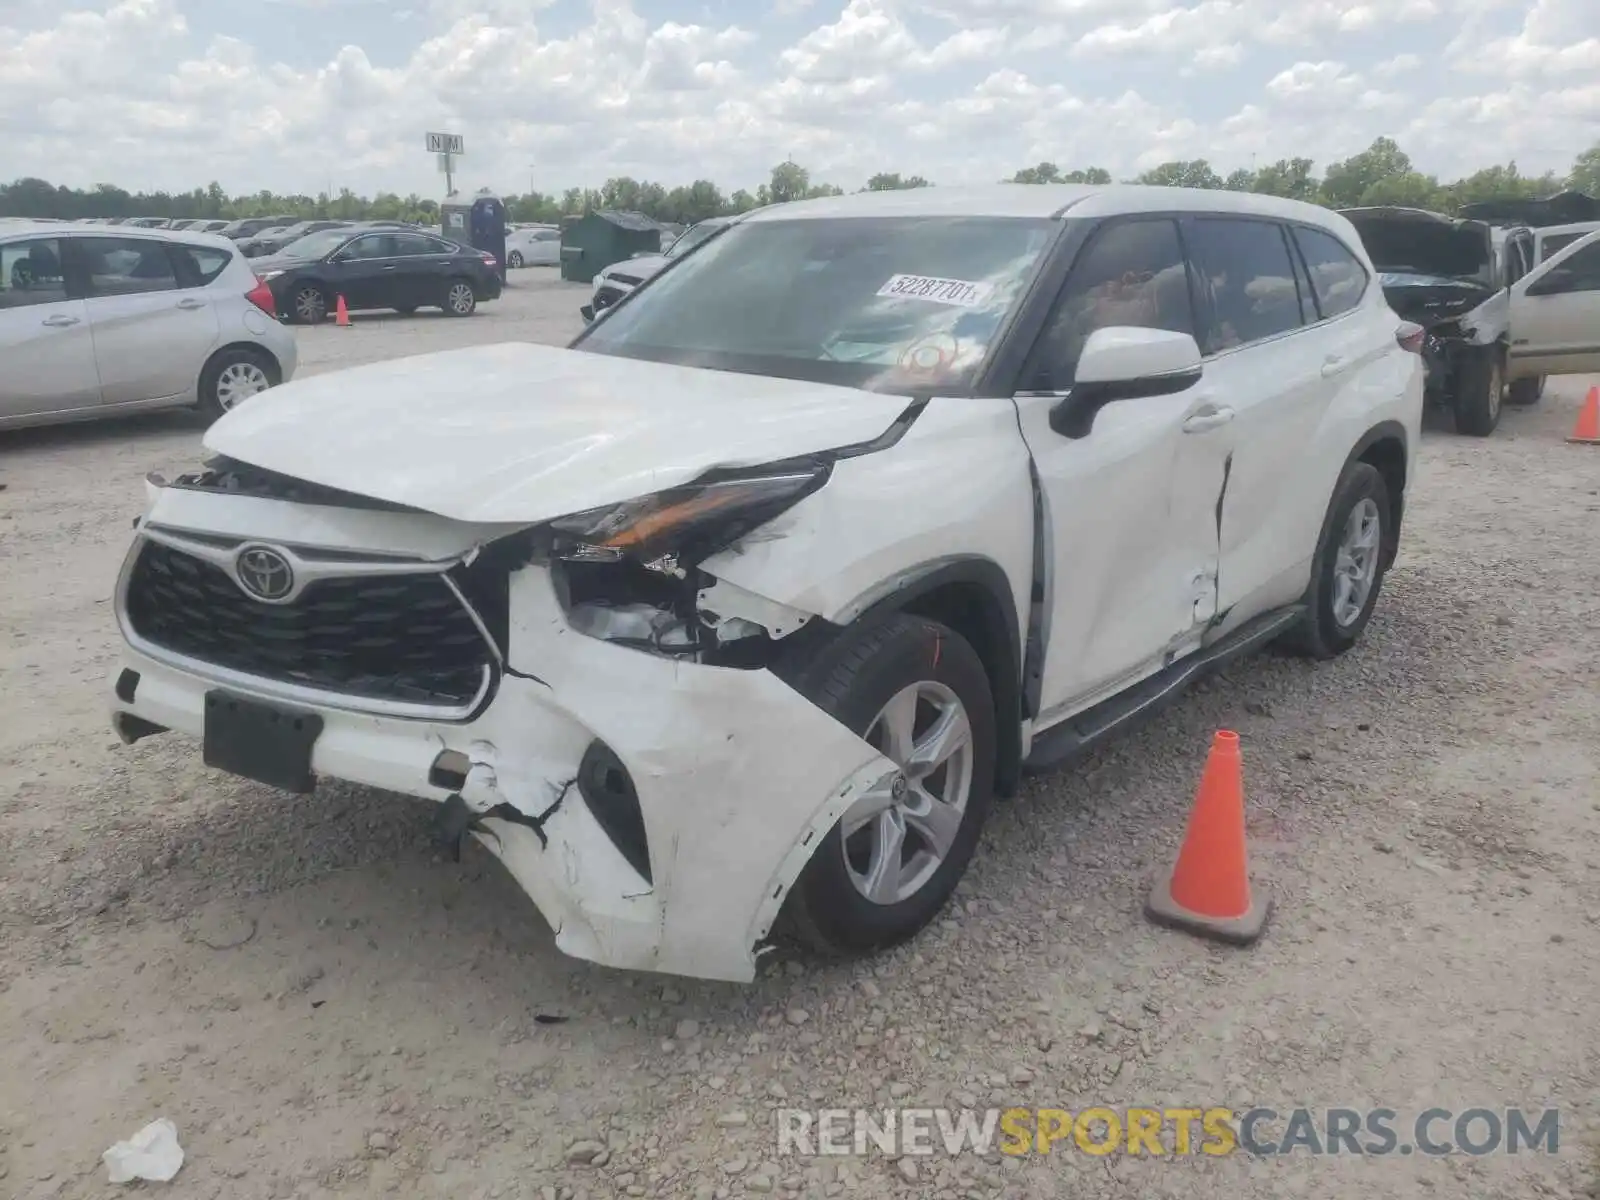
{"x":1490,"y":322}
{"x":734,"y":770}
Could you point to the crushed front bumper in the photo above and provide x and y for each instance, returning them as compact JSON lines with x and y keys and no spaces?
{"x":736,"y":775}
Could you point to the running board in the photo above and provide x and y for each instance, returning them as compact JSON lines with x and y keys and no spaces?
{"x":1061,"y":743}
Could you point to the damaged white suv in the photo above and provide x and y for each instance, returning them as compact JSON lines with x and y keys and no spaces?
{"x":734,"y":615}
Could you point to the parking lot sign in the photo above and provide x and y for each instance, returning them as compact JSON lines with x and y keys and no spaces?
{"x":446,"y":143}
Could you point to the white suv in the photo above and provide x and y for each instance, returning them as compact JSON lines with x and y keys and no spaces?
{"x":98,"y":322}
{"x":735,"y":614}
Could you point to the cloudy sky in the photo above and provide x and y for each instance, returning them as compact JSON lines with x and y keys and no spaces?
{"x":300,"y":95}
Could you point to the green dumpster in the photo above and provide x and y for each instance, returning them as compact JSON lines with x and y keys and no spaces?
{"x":592,"y":242}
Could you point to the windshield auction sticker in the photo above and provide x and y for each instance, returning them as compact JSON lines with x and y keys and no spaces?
{"x":941,"y":291}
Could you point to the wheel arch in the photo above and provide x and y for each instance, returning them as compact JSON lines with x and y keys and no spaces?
{"x":1386,"y":448}
{"x":268,"y":358}
{"x":972,"y":595}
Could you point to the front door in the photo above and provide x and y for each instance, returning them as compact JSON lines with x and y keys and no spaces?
{"x":1555,"y":314}
{"x":45,"y":327}
{"x":1130,"y":508}
{"x":364,"y":272}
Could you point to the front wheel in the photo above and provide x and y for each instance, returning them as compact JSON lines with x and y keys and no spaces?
{"x":917,"y":692}
{"x":459,"y":299}
{"x":1478,"y":396}
{"x":1348,"y":569}
{"x":515,"y":260}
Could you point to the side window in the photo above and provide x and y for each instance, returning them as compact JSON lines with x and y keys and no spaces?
{"x":546,"y":235}
{"x":1556,"y":241}
{"x":1580,"y":273}
{"x":30,"y":273}
{"x":1245,"y":269}
{"x":207,"y":262}
{"x":375,"y":245}
{"x":1131,"y":273}
{"x":127,"y":266}
{"x":1337,"y":277}
{"x":409,"y":244}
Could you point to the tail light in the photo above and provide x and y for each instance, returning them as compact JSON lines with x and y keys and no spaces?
{"x":261,"y":296}
{"x":489,"y":260}
{"x":1410,"y":335}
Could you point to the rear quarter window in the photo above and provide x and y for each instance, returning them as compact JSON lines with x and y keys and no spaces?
{"x":207,"y":262}
{"x":1337,"y":277}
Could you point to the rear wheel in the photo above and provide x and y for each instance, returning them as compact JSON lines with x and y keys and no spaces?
{"x":231,"y":378}
{"x":459,"y":298}
{"x":1348,"y":569}
{"x":1524,"y":392}
{"x":918,"y":692}
{"x":1478,"y":396}
{"x":515,"y":260}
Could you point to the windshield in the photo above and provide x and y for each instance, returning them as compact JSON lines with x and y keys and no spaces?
{"x":315,"y":245}
{"x":690,"y":238}
{"x":910,"y":305}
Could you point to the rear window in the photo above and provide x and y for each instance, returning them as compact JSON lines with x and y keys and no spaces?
{"x":208,"y":261}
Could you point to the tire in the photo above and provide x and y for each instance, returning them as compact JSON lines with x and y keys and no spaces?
{"x":515,"y":260}
{"x":460,"y":298}
{"x":231,"y":377}
{"x":1328,"y":632}
{"x":853,"y":679}
{"x":1526,"y":392}
{"x":308,"y":304}
{"x":1479,"y":395}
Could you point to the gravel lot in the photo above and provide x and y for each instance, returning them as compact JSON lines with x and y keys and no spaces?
{"x":325,"y":1008}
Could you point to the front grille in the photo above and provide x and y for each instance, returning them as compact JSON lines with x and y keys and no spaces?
{"x":404,"y":638}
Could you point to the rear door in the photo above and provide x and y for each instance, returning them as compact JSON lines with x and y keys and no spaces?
{"x":421,"y":266}
{"x":1272,"y":362}
{"x":45,"y":326}
{"x":1555,"y":314}
{"x":152,"y":329}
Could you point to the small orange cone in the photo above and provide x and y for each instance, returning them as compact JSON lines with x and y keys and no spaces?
{"x":1588,"y":427}
{"x":1209,"y":890}
{"x":341,"y":314}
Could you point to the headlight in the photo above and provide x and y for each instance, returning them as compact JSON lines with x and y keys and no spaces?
{"x":690,"y":523}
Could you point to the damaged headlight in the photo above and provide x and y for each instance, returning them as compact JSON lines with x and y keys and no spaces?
{"x":687,"y":523}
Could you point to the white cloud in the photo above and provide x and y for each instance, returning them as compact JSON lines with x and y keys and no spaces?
{"x":144,"y":92}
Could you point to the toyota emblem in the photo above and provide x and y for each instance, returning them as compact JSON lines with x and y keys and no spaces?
{"x":264,"y":573}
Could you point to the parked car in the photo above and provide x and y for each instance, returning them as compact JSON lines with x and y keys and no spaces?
{"x":741,"y":608}
{"x":99,"y":323}
{"x":377,"y":268}
{"x":1453,"y":277}
{"x":1555,"y":313}
{"x":250,"y":226}
{"x":533,"y":246}
{"x":617,"y":280}
{"x":270,"y":241}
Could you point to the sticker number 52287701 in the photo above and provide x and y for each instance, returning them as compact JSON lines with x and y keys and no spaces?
{"x":941,"y":291}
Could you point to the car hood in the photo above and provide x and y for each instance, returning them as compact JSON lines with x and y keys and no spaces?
{"x":521,"y":433}
{"x":1564,"y":208}
{"x":1415,"y":241}
{"x":640,"y":268}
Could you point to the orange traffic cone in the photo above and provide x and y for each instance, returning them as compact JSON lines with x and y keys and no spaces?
{"x":1209,"y":890}
{"x":1588,"y":427}
{"x":341,"y":314}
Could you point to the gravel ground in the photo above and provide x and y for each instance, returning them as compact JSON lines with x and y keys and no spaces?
{"x":325,"y":1008}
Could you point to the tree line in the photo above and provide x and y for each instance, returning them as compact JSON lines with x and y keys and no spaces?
{"x":1380,"y":174}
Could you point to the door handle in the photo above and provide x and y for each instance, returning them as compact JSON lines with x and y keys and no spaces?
{"x":59,"y":320}
{"x":191,"y":303}
{"x":1209,"y":417}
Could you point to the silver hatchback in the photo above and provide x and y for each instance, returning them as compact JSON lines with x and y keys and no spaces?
{"x":97,"y":323}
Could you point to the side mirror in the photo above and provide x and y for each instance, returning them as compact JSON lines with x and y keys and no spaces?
{"x":1124,"y":362}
